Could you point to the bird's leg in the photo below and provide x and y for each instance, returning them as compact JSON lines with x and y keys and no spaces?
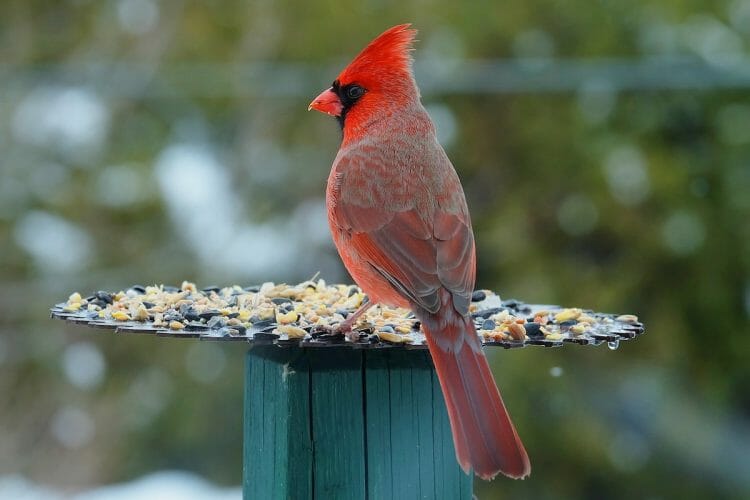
{"x":346,"y":326}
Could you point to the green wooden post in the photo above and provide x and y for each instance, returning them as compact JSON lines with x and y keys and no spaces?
{"x":339,"y":423}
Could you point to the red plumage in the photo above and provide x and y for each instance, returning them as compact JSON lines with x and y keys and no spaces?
{"x":399,"y":220}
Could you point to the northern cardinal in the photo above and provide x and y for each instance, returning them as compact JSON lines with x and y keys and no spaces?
{"x":400,"y":222}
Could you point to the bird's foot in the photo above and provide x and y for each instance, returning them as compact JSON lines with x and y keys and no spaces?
{"x":346,"y":327}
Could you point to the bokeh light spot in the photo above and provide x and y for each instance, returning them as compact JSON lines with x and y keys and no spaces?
{"x":148,"y":395}
{"x":137,"y":17}
{"x":205,"y":361}
{"x":577,"y":215}
{"x":55,"y":244}
{"x":72,"y":427}
{"x":627,"y":175}
{"x":596,"y":100}
{"x":71,"y":119}
{"x":683,"y":232}
{"x":84,"y":365}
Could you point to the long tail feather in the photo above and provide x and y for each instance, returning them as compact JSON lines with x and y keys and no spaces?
{"x":484,"y":437}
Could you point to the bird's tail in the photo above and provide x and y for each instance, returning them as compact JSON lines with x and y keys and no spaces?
{"x":483,"y":435}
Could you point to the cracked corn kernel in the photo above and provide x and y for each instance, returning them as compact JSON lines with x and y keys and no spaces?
{"x":586,"y":318}
{"x":285,"y":318}
{"x":141,"y":313}
{"x":120,"y":316}
{"x":391,"y":337}
{"x":567,"y":314}
{"x":291,"y":331}
{"x":354,"y":301}
{"x":578,"y":329}
{"x":627,"y":318}
{"x":266,"y":313}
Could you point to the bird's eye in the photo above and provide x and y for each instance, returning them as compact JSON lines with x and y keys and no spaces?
{"x":354,"y":92}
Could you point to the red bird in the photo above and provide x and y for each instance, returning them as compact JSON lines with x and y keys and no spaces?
{"x":400,"y":223}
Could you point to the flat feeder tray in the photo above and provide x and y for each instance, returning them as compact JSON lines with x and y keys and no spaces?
{"x":306,"y":315}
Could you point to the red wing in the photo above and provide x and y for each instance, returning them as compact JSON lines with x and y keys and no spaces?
{"x":456,"y":257}
{"x":415,"y":255}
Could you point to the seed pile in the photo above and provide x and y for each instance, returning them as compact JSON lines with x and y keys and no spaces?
{"x":309,"y":313}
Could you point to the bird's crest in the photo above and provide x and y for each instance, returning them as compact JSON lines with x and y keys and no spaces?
{"x":388,"y":54}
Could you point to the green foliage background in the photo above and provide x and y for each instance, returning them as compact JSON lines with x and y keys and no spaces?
{"x":631,"y":200}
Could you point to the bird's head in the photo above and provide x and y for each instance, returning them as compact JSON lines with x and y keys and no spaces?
{"x":379,"y":80}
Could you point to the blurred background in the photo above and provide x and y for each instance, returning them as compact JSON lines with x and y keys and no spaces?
{"x":605,"y":152}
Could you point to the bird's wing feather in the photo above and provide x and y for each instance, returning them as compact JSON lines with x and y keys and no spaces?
{"x":417,"y":250}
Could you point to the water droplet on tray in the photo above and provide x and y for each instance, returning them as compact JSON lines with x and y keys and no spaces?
{"x":614,"y":344}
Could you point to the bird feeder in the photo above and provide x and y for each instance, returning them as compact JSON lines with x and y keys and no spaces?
{"x":334,"y":416}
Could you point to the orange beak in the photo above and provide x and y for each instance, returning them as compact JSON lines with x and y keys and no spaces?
{"x":327,"y":102}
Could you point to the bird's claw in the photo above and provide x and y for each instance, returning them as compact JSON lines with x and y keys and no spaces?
{"x":346,"y":329}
